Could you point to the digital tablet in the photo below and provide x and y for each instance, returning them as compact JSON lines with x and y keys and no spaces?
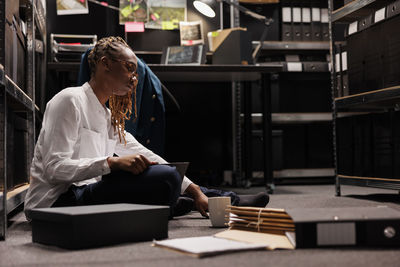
{"x":181,"y":167}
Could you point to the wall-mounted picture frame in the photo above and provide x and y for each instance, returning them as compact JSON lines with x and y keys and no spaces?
{"x":184,"y":55}
{"x":165,"y":15}
{"x":136,"y":11}
{"x":72,"y":7}
{"x":191,"y":32}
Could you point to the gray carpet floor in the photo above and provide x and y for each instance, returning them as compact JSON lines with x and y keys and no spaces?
{"x":18,"y":249}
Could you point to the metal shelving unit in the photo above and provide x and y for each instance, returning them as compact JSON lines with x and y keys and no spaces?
{"x":294,"y":56}
{"x":357,"y":9}
{"x":19,"y":101}
{"x":292,"y":45}
{"x":379,"y":100}
{"x":293,"y":118}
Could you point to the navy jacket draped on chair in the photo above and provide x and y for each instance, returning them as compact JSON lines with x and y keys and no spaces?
{"x":149,"y":127}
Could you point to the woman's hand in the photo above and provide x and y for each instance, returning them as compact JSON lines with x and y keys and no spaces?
{"x":135,"y":164}
{"x":200,"y":200}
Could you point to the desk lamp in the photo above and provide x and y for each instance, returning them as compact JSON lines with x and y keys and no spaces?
{"x":206,"y":7}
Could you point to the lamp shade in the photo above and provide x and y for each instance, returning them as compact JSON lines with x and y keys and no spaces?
{"x":206,"y":7}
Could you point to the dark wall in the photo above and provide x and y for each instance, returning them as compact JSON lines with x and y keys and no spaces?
{"x":105,"y":22}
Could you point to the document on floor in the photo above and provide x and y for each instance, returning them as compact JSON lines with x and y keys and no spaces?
{"x":206,"y":245}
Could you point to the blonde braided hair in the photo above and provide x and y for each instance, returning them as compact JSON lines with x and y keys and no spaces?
{"x":120,"y":106}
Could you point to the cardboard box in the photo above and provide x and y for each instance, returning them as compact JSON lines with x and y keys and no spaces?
{"x":99,"y":225}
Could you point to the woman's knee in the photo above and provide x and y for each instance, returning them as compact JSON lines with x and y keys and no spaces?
{"x":171,"y":176}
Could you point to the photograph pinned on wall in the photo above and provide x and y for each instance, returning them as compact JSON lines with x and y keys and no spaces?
{"x":184,"y":55}
{"x":72,"y":7}
{"x":165,"y":14}
{"x":191,"y":32}
{"x":133,"y":11}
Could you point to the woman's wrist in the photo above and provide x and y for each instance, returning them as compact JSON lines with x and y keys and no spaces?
{"x":111,"y":162}
{"x":193,"y":190}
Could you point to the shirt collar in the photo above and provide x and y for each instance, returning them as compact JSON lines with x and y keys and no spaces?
{"x":93,"y":98}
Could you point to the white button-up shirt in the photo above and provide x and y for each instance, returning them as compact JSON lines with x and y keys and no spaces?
{"x":73,"y":146}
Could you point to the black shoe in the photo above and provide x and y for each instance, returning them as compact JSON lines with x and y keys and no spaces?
{"x":258,"y":200}
{"x":183,"y":206}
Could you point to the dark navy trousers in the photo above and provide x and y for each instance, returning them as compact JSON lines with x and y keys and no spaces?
{"x":157,"y":185}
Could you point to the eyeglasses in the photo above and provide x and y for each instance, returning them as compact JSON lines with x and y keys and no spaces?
{"x":130,"y":66}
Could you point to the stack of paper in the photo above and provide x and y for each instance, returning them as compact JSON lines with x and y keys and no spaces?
{"x":263,"y":220}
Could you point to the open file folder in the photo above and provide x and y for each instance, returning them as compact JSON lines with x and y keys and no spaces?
{"x":264,"y":228}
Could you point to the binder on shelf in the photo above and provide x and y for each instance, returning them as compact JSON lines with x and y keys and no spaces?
{"x":358,"y":130}
{"x":306,"y":23}
{"x":325,"y":24}
{"x":315,"y":66}
{"x":344,"y":141}
{"x":343,"y":68}
{"x":297,"y":25}
{"x":382,"y":145}
{"x":393,"y":9}
{"x":338,"y":92}
{"x":367,"y":152}
{"x":315,"y":227}
{"x":390,"y":52}
{"x":396,"y":144}
{"x":365,"y":22}
{"x":15,"y":58}
{"x":286,"y":27}
{"x":316,"y":27}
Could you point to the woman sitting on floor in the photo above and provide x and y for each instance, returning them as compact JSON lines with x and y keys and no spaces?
{"x":83,"y":155}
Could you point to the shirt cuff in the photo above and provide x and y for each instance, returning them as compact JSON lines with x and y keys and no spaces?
{"x":105,"y":168}
{"x":185,"y":183}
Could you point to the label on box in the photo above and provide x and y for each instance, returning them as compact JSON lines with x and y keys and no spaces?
{"x":294,"y":66}
{"x":353,"y":27}
{"x":286,"y":14}
{"x":344,"y":61}
{"x":330,"y":234}
{"x":380,"y":14}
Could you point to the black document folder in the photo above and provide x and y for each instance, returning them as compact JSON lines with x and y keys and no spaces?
{"x":286,"y":27}
{"x":396,"y":144}
{"x":316,"y":26}
{"x":382,"y":145}
{"x":99,"y":225}
{"x":338,"y":72}
{"x":297,"y":24}
{"x":365,"y":22}
{"x":345,"y":144}
{"x":325,"y":24}
{"x":393,"y":9}
{"x":320,"y":227}
{"x":350,"y":226}
{"x":344,"y":69}
{"x":306,"y":22}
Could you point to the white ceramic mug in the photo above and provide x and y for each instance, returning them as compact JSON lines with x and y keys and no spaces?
{"x":217,"y":208}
